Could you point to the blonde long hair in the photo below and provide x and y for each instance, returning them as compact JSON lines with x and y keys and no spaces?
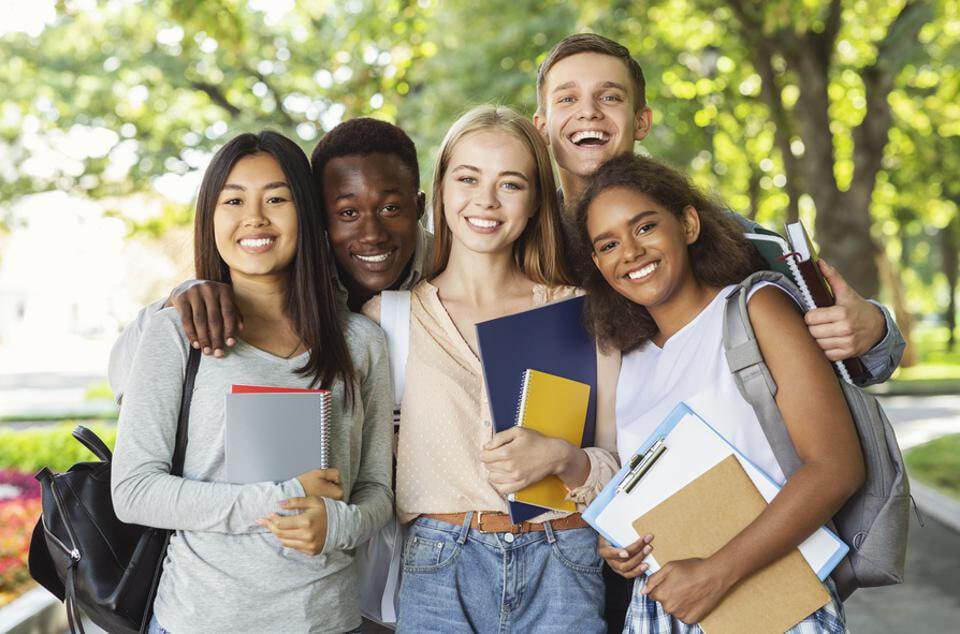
{"x":538,"y":250}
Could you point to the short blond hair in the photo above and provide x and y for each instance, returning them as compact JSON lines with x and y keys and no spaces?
{"x":539,"y":249}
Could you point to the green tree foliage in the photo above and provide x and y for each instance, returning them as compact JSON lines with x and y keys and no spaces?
{"x":842,"y":113}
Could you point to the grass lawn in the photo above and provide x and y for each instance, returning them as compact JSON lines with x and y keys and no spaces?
{"x":937,"y":463}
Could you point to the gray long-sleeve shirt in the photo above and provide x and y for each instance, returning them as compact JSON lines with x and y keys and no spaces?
{"x":223,"y":572}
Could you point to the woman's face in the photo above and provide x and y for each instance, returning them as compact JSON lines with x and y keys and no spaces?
{"x":255,"y":221}
{"x":489,"y":191}
{"x":639,"y":246}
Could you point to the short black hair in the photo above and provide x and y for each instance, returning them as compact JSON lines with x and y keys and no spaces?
{"x":362,"y":136}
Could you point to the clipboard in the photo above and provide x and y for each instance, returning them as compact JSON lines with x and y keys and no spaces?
{"x":704,"y":516}
{"x":687,"y":446}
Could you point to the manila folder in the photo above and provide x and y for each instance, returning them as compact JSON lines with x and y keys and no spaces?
{"x":701,"y":518}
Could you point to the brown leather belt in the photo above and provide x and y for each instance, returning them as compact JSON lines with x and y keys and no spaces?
{"x":494,"y":522}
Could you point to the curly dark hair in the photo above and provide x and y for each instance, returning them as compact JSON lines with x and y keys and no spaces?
{"x":362,"y":136}
{"x":721,"y":255}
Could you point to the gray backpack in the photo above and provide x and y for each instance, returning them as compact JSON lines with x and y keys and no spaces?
{"x":874,"y":521}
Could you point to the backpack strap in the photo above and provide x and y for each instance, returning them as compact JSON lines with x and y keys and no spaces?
{"x":395,"y":321}
{"x":751,"y":374}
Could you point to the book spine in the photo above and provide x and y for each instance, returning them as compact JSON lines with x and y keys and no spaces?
{"x":326,"y":401}
{"x":807,"y":278}
{"x":521,"y":411}
{"x":522,"y":403}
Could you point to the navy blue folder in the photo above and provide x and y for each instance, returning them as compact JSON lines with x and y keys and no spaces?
{"x":551,"y":339}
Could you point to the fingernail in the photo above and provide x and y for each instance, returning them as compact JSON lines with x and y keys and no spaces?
{"x":195,"y":344}
{"x":206,"y":350}
{"x":231,"y":341}
{"x":624,"y":554}
{"x":218,"y":352}
{"x":647,"y":550}
{"x":648,"y":538}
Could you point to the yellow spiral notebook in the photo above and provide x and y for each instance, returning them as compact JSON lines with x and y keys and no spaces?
{"x":555,"y":407}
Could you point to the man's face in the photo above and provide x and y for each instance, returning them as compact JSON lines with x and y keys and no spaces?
{"x":588,"y":114}
{"x":372,"y":207}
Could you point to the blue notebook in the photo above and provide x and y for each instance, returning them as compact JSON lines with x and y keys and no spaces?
{"x":551,"y":339}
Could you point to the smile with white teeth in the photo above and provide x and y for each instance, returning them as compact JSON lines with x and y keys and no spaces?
{"x":589,"y":137}
{"x":373,"y":259}
{"x":255,"y":243}
{"x":483,"y":223}
{"x":644,"y":272}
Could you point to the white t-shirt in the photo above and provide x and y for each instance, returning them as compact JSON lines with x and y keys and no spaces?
{"x":691,"y":367}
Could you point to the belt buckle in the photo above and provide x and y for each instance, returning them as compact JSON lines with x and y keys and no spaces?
{"x":515,"y":529}
{"x":480,"y":522}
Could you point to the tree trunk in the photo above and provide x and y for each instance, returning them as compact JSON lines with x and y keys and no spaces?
{"x":949,"y":237}
{"x":901,"y":313}
{"x":753,"y":189}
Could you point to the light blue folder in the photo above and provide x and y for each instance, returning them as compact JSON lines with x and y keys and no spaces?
{"x":594,"y":513}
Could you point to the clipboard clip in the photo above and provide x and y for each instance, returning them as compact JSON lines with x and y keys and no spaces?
{"x":640,"y":464}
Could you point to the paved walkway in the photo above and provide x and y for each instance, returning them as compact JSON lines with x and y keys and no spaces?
{"x":929,"y":599}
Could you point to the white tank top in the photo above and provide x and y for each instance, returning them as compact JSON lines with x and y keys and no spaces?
{"x":691,"y":367}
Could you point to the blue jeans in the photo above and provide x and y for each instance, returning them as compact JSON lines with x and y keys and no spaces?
{"x":456,"y":579}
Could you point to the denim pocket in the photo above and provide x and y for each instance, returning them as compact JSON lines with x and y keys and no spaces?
{"x":428,"y":550}
{"x":577,"y":549}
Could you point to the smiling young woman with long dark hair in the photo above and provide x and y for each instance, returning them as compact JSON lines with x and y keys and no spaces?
{"x":234,"y":563}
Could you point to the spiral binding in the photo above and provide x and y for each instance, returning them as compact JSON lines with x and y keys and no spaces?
{"x":521,"y":404}
{"x":326,"y":401}
{"x":791,"y":260}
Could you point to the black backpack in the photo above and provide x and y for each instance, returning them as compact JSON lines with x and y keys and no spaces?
{"x":88,"y":558}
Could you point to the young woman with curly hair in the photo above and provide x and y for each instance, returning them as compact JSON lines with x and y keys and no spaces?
{"x":664,"y":257}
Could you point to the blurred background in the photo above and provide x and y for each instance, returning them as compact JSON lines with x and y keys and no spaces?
{"x":842,"y":113}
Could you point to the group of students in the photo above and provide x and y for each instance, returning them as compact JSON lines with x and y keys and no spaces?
{"x":289,"y":252}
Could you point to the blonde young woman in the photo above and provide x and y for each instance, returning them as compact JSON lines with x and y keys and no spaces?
{"x":497,"y":227}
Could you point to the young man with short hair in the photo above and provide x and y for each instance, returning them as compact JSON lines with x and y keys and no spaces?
{"x":591,"y":106}
{"x":370,"y":184}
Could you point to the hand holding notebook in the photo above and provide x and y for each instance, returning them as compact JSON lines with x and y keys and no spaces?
{"x":696,"y":522}
{"x":555,"y":407}
{"x":797,"y":258}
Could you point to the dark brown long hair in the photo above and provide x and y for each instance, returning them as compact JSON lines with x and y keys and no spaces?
{"x":311,"y":303}
{"x":721,"y":255}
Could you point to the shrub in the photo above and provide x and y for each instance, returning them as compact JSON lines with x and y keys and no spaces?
{"x":29,"y":450}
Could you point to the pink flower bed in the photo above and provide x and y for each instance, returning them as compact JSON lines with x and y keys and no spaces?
{"x":19,"y":511}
